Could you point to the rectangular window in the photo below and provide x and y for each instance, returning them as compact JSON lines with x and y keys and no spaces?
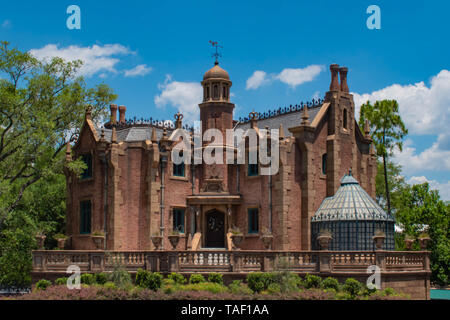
{"x":178,"y":170}
{"x":85,"y":217}
{"x":252,"y":170}
{"x":178,"y":220}
{"x":253,"y":223}
{"x":87,"y":159}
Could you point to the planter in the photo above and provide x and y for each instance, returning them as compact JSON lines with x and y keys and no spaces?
{"x":40,"y":241}
{"x":324,"y":241}
{"x":157,"y":241}
{"x":174,"y":239}
{"x":379,"y":241}
{"x":409,"y":243}
{"x":267,"y":240}
{"x":237,"y":239}
{"x":424,"y":243}
{"x":99,"y":242}
{"x":61,"y":243}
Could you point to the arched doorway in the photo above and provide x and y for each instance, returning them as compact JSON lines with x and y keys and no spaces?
{"x":215,"y":229}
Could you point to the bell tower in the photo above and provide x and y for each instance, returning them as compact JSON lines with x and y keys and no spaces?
{"x":216,"y":112}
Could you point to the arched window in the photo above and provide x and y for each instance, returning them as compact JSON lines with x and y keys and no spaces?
{"x":345,"y":118}
{"x":324,"y":163}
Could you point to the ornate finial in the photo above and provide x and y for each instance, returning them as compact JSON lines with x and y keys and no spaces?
{"x":253,"y":115}
{"x":154,"y":139}
{"x":114,"y":135}
{"x":281,"y":132}
{"x":366,"y":128}
{"x":102,"y":135}
{"x":88,"y":114}
{"x":215,"y":44}
{"x":305,"y":116}
{"x":178,"y":120}
{"x":164,"y":133}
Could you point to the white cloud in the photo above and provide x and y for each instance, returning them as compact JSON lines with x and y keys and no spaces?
{"x":95,"y":58}
{"x":7,"y":24}
{"x":425,"y":110}
{"x":290,"y":76}
{"x":257,"y":79}
{"x":295,"y":77}
{"x":443,"y":188}
{"x":433,"y":158}
{"x":140,"y":70}
{"x":184,"y":96}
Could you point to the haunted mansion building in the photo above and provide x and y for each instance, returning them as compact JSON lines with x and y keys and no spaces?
{"x":132,"y":189}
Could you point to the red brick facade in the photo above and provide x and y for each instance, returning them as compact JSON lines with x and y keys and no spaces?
{"x":131,"y":189}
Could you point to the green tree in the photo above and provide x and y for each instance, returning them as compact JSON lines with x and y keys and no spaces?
{"x":396,"y":184}
{"x":388,"y":131}
{"x":418,"y":206}
{"x":42,"y":104}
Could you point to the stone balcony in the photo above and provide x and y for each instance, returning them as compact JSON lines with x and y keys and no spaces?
{"x":405,"y":271}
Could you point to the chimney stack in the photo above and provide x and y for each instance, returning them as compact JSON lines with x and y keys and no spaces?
{"x":113,"y":118}
{"x":122,"y":110}
{"x":334,"y":85}
{"x":343,"y":75}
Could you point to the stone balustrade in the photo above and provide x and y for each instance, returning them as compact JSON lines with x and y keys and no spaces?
{"x":240,"y":261}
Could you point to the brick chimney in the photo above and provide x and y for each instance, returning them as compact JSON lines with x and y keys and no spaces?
{"x":122,"y":110}
{"x":113,"y":118}
{"x":343,"y":75}
{"x":334,"y":85}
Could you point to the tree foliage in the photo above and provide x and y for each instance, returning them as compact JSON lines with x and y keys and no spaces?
{"x":417,"y":206}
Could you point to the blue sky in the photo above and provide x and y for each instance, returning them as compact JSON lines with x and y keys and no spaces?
{"x":154,"y":54}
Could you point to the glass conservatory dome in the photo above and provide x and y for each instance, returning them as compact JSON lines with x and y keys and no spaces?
{"x":352,"y":217}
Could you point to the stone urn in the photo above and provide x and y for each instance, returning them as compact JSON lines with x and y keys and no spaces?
{"x":324,"y":241}
{"x":157,"y":241}
{"x":61,"y":243}
{"x":424,"y":241}
{"x":267,"y":240}
{"x":237,"y":240}
{"x":174,"y":240}
{"x":99,"y":241}
{"x":379,"y":238}
{"x":409,"y":243}
{"x":40,"y":238}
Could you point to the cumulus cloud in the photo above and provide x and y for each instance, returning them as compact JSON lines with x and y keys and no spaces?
{"x":184,"y":96}
{"x":257,"y":79}
{"x":295,"y":77}
{"x":424,"y":109}
{"x":443,"y":188}
{"x":292,"y":77}
{"x":140,"y":70}
{"x":96,"y":59}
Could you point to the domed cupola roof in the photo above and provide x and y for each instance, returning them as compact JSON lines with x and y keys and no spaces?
{"x":216,"y":72}
{"x":351,"y":202}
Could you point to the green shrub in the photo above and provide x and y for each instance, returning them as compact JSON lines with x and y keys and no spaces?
{"x":352,"y":286}
{"x":330,"y":283}
{"x":142,"y":278}
{"x":154,"y":281}
{"x":196,"y":278}
{"x":109,"y":285}
{"x":43,"y":284}
{"x":237,"y":287}
{"x":388,"y":292}
{"x":120,"y":277}
{"x":177,"y":278}
{"x":87,"y":278}
{"x":274,"y":288}
{"x":204,"y":286}
{"x":101,"y":278}
{"x":61,"y":281}
{"x":312,"y":281}
{"x":215,"y":278}
{"x":258,"y":281}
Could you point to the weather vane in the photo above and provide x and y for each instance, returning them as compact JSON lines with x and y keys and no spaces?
{"x":215,"y":44}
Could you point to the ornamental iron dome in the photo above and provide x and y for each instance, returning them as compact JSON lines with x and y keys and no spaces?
{"x":352,"y":217}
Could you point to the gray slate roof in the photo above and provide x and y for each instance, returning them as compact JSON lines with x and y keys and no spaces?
{"x":351,"y":202}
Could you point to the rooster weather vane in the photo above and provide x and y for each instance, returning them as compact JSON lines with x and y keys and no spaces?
{"x":215,"y":45}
